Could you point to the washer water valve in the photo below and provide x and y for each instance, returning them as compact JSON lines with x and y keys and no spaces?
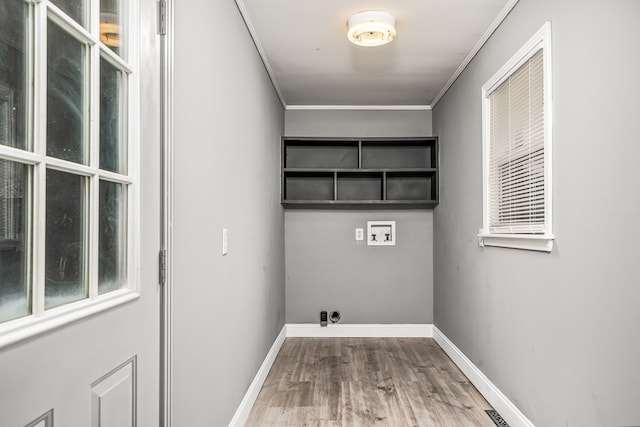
{"x":381,"y":233}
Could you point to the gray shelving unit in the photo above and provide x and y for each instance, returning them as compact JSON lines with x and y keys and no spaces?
{"x":336,"y":172}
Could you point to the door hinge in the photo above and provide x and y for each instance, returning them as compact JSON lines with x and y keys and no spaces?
{"x":162,"y":17}
{"x":162,"y":266}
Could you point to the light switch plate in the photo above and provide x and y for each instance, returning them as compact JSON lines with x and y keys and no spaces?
{"x":225,"y":241}
{"x":381,"y":233}
{"x":359,"y":233}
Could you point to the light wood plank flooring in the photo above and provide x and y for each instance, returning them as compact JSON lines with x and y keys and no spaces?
{"x":364,"y":382}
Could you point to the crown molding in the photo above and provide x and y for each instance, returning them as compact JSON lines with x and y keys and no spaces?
{"x":360,"y":107}
{"x":242,"y":8}
{"x":485,"y":37}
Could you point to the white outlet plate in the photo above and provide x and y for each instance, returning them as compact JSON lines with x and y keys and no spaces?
{"x":359,"y":233}
{"x":381,"y":233}
{"x":225,"y":241}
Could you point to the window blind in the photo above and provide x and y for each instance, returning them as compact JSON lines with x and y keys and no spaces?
{"x":516,"y":151}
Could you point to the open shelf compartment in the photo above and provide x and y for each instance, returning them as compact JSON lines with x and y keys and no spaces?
{"x":411,"y":186}
{"x":359,"y":186}
{"x":308,"y":186}
{"x":398,"y":155}
{"x":321,"y":155}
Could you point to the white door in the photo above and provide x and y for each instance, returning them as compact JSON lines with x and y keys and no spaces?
{"x":79,"y":213}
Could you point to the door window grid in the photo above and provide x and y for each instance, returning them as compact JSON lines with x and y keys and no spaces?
{"x":30,"y":157}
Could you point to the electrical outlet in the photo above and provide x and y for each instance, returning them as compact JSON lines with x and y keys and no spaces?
{"x":359,"y":233}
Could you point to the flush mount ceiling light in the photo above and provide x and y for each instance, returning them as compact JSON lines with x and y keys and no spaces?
{"x":371,"y":28}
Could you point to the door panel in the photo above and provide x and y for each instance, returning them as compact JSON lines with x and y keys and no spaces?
{"x":113,"y":397}
{"x":45,"y":420}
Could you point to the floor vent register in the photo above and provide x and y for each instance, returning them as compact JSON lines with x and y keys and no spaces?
{"x":495,"y":416}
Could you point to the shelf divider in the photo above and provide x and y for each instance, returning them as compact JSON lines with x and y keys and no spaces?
{"x":384,"y":185}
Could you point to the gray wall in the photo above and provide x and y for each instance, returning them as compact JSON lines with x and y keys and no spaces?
{"x":558,"y":333}
{"x":228,"y":122}
{"x":357,"y":123}
{"x":326,"y":269}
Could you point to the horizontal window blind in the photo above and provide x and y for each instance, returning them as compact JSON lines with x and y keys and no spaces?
{"x":516,"y":151}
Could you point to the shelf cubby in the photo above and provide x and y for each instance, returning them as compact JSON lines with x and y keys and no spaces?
{"x":397,"y":155}
{"x":410,"y":186}
{"x":331,"y":154}
{"x":359,"y":186}
{"x":305,"y":186}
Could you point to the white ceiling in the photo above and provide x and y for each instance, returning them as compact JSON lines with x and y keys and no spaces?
{"x":305,"y":49}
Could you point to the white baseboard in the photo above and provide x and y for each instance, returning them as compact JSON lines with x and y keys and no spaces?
{"x":494,"y":396}
{"x":242,"y":413}
{"x":359,"y":331}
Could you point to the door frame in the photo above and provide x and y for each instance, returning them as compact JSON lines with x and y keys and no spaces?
{"x":166,"y":25}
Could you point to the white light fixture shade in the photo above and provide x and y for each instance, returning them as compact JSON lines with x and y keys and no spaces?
{"x":371,"y":28}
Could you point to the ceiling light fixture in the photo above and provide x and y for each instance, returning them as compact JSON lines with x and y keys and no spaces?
{"x":371,"y":28}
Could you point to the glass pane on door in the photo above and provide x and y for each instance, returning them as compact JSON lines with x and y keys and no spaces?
{"x":111,"y":25}
{"x":15,"y":240}
{"x":113,"y":147}
{"x":13,"y":72}
{"x":76,"y":9}
{"x":112,"y":237}
{"x":66,"y":97}
{"x":65,"y":247}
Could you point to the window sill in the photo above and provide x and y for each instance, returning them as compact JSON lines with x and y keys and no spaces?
{"x":20,"y":329}
{"x":530,"y":242}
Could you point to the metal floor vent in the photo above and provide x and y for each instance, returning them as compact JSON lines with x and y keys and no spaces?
{"x":495,"y":416}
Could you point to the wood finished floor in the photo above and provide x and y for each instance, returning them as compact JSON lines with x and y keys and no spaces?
{"x":365,"y":382}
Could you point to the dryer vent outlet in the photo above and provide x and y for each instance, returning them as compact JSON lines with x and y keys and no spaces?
{"x":334,"y":316}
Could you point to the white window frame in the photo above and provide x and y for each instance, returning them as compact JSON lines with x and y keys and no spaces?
{"x":41,"y":320}
{"x":537,"y":242}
